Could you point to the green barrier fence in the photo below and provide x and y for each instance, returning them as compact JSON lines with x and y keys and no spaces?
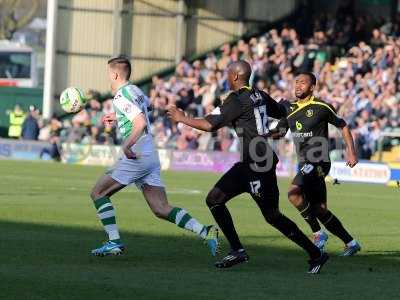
{"x":9,"y":96}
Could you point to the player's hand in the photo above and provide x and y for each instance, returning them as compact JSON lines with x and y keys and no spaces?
{"x":175,"y":114}
{"x":109,"y":119}
{"x":351,"y":159}
{"x":268,"y":135}
{"x":275,"y":135}
{"x":128,"y":152}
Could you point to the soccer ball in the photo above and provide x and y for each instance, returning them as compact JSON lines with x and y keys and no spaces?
{"x":72,"y":100}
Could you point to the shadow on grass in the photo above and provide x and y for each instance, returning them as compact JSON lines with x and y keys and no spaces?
{"x":46,"y":262}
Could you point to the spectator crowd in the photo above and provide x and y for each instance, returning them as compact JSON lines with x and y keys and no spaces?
{"x":356,"y":61}
{"x":357,"y":71}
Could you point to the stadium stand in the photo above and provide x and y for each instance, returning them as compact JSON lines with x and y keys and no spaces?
{"x":356,"y":60}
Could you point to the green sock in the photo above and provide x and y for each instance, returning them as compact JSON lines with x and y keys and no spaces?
{"x":182,"y":218}
{"x":106,"y":214}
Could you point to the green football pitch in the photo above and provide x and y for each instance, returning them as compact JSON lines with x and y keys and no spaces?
{"x":48,"y":226}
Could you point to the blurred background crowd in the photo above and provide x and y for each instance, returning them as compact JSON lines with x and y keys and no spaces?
{"x":356,"y":61}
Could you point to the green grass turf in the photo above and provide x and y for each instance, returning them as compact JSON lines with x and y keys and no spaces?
{"x":48,"y":225}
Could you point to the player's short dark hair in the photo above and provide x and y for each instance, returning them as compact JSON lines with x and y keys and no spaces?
{"x":310,"y":75}
{"x":123,"y":65}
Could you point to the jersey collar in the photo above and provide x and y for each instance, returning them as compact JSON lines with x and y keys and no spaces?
{"x":124,"y":85}
{"x":302,"y":104}
{"x":244,"y":88}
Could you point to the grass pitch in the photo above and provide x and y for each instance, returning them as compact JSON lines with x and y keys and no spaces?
{"x":48,"y":226}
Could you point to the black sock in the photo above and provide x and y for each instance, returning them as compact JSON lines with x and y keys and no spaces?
{"x":306,"y":213}
{"x":224,"y":220}
{"x":291,"y":231}
{"x":335,"y":227}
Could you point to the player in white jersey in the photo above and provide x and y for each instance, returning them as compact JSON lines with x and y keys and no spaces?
{"x":139,"y":164}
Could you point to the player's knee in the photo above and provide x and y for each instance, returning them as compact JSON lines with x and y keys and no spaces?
{"x":95,"y":194}
{"x":272,"y":216}
{"x":215,"y":197}
{"x":320,"y":210}
{"x":295,"y":195}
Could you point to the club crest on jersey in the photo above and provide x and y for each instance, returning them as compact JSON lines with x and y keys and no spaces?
{"x":309,"y":113}
{"x":140,"y":99}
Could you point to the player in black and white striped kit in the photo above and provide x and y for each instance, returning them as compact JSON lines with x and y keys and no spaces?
{"x":247,"y":110}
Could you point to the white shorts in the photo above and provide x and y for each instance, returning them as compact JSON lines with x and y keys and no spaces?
{"x":143,"y":170}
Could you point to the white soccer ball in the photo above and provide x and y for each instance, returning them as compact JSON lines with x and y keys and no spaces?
{"x":72,"y":100}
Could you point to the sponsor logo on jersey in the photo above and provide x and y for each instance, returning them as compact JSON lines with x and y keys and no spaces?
{"x":127,"y":108}
{"x":299,"y":126}
{"x":309,"y":113}
{"x":302,"y":134}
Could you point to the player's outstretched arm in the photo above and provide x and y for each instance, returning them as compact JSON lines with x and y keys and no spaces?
{"x":177,"y":115}
{"x":275,"y":134}
{"x":276,"y":110}
{"x":279,"y":131}
{"x":139,"y":123}
{"x":351,"y":152}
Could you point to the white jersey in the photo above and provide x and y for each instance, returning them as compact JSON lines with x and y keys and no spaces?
{"x":128,"y":103}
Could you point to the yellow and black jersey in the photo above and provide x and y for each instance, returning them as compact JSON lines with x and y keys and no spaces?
{"x":308,"y":122}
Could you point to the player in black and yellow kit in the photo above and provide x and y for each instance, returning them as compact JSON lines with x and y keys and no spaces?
{"x":247,"y":110}
{"x":308,"y":120}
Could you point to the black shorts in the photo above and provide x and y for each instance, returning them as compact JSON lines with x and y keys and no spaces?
{"x":311,"y":180}
{"x":261,"y":185}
